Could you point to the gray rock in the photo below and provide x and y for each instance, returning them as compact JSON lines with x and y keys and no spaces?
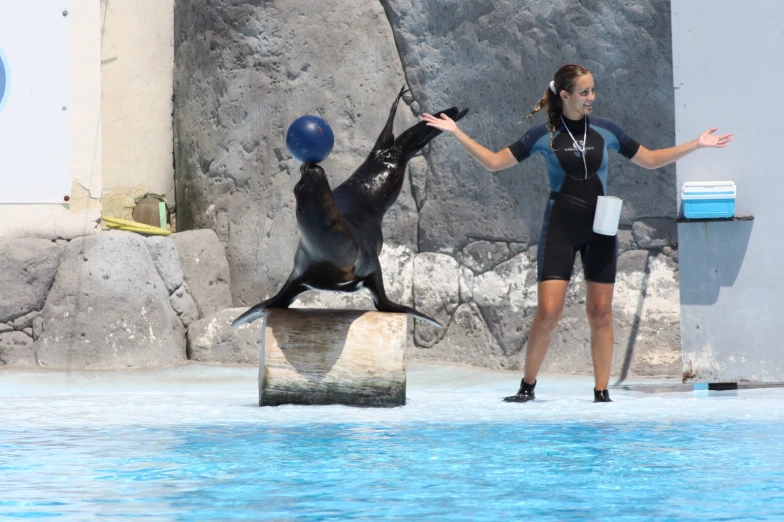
{"x":633,"y":263}
{"x":16,"y":349}
{"x":401,"y":222}
{"x":481,"y":256}
{"x":672,"y":253}
{"x":625,"y":241}
{"x":166,"y":260}
{"x":418,"y":171}
{"x":466,"y":284}
{"x":182,"y":302}
{"x":467,"y":341}
{"x":655,"y":233}
{"x":657,"y":345}
{"x":516,"y":248}
{"x":109,"y":309}
{"x":213,"y":339}
{"x":436,"y":293}
{"x":38,"y":327}
{"x":5,"y":327}
{"x":506,"y":297}
{"x":26,"y":321}
{"x":361,"y":300}
{"x":27,"y":269}
{"x":397,"y":266}
{"x":205,"y":269}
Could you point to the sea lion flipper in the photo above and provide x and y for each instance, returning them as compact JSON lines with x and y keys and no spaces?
{"x":413,"y":139}
{"x":375,"y":284}
{"x":257,"y":312}
{"x":291,"y":289}
{"x":412,"y":313}
{"x":386,"y":139}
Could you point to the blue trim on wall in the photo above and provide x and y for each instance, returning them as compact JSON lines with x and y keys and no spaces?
{"x":5,"y":79}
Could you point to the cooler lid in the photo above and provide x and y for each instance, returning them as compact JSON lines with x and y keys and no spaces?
{"x":707,"y":183}
{"x":709,"y":187}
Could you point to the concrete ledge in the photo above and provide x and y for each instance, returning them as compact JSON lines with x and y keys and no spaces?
{"x":47,"y":222}
{"x":351,"y":357}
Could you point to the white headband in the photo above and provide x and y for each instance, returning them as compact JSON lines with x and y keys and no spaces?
{"x":552,"y":87}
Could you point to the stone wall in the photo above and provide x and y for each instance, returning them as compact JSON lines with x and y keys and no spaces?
{"x":110,"y":300}
{"x":117,"y":300}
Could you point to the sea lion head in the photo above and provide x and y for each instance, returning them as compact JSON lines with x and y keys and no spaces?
{"x":314,"y":196}
{"x":312,"y":181}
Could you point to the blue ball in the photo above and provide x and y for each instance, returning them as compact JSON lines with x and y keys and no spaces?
{"x":309,"y":139}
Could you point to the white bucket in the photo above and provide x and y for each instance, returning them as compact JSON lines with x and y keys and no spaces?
{"x":608,"y":215}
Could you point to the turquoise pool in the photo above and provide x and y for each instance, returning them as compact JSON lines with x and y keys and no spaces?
{"x":454,"y":452}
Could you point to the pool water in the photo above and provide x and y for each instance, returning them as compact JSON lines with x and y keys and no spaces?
{"x":417,"y":471}
{"x":454,"y":452}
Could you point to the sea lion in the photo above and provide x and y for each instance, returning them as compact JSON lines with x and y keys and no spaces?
{"x":340,"y":231}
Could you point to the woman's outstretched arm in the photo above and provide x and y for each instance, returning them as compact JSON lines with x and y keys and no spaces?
{"x":653,"y":159}
{"x":490,"y":160}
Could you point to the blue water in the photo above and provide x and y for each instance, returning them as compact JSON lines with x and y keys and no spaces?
{"x":402,"y":471}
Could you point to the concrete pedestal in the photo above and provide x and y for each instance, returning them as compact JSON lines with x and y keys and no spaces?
{"x":347,"y":357}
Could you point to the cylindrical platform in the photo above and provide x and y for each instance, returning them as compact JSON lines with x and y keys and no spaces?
{"x":351,"y":357}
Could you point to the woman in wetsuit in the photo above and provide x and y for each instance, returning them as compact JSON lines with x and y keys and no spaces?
{"x":575,"y":147}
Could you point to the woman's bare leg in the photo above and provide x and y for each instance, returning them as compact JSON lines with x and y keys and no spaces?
{"x":598,"y":307}
{"x":551,"y":295}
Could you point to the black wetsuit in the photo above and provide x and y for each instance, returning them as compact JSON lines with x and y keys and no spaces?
{"x":568,"y":217}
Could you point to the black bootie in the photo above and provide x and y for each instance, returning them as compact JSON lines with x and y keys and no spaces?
{"x":601,"y":396}
{"x":524,"y":394}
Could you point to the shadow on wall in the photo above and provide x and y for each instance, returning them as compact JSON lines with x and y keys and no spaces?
{"x":710,"y":256}
{"x":635,"y":330}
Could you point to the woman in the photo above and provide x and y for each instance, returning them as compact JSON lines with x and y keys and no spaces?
{"x":575,"y":150}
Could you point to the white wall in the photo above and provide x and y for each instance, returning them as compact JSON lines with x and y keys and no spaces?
{"x":137,"y":77}
{"x":727,"y":60}
{"x":34,"y":121}
{"x":79,"y":215}
{"x":121,"y":83}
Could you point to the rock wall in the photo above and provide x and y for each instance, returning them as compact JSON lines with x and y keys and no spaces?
{"x":460,"y":243}
{"x":118,"y":300}
{"x":107,"y":301}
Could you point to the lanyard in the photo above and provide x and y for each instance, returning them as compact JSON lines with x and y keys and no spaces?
{"x":574,"y":141}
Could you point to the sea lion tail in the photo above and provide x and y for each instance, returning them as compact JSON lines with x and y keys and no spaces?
{"x":375,"y":283}
{"x":413,"y":139}
{"x":257,"y":312}
{"x":389,"y":306}
{"x":423,"y":317}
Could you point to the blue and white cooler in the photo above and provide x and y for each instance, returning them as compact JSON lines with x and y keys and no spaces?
{"x":708,"y":199}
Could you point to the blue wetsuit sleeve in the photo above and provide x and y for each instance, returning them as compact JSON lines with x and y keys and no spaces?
{"x":624,"y":145}
{"x":629,"y":148}
{"x":519,"y":151}
{"x":526,"y":146}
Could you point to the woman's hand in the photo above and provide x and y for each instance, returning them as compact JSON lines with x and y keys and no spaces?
{"x":444,"y":123}
{"x":707,"y":140}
